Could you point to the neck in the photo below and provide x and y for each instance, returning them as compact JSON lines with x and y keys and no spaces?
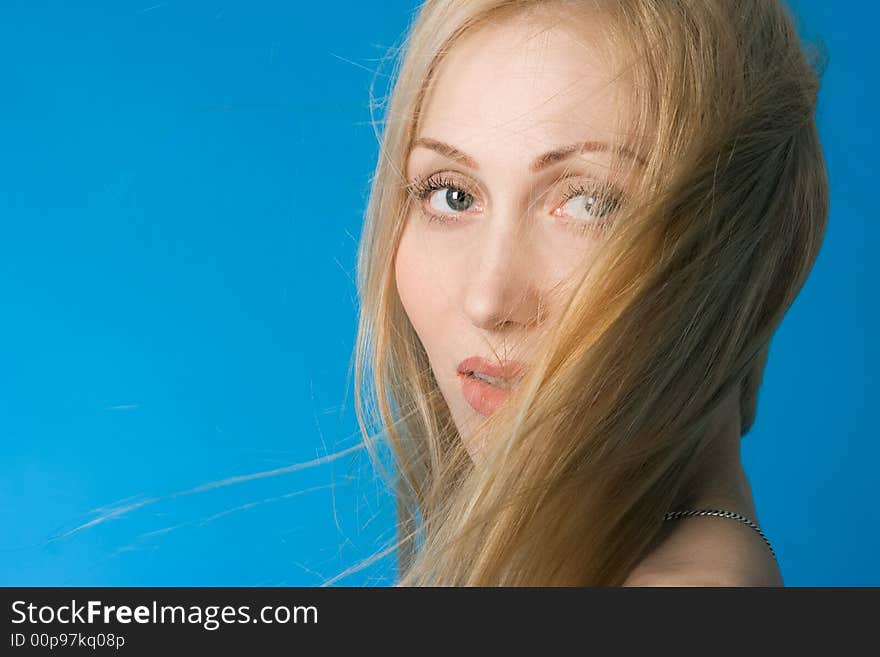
{"x":723,"y":483}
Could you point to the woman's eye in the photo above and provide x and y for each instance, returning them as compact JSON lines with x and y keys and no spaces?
{"x":586,"y":205}
{"x":455,"y":200}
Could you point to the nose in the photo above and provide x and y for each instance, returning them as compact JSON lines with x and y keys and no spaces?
{"x":503,"y":289}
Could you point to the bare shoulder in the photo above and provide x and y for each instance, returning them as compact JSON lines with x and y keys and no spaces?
{"x":708,"y":551}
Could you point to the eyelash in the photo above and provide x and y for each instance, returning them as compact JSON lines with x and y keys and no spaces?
{"x":422,"y":188}
{"x":607,"y":195}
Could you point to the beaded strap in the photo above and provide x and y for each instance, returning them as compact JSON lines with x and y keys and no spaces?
{"x":673,"y":515}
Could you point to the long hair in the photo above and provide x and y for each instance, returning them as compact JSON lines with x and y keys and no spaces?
{"x":607,"y":431}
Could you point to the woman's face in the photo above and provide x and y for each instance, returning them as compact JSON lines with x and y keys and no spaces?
{"x":513,"y":185}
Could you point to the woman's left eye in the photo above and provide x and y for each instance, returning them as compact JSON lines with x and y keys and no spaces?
{"x":589,"y":204}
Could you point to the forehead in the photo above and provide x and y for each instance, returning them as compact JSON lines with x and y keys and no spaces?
{"x":526,"y":84}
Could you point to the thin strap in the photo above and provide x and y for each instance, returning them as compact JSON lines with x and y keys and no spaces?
{"x":673,"y":515}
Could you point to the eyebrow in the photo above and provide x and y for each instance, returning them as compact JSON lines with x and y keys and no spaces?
{"x":539,"y":163}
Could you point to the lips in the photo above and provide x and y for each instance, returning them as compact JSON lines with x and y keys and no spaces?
{"x":485,"y":384}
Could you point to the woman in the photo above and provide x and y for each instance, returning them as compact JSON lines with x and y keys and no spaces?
{"x":587,"y":221}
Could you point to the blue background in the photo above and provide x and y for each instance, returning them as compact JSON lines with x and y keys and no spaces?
{"x":181,"y":192}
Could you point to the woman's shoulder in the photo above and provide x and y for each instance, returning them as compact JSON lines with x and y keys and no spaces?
{"x":708,"y":551}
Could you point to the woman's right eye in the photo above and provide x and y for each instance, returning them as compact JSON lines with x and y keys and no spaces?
{"x":443,"y":199}
{"x":449,"y":199}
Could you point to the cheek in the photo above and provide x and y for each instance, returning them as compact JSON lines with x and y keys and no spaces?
{"x":560,"y":261}
{"x":563,"y":253}
{"x":417,"y":286}
{"x":423,"y":280}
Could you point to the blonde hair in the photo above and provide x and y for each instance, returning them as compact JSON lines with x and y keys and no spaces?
{"x":607,"y":431}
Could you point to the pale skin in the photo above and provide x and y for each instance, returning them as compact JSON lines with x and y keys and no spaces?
{"x":490,"y":276}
